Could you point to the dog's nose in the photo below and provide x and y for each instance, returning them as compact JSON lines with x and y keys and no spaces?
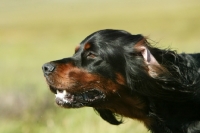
{"x":48,"y":68}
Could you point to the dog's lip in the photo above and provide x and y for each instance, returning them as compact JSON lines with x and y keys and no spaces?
{"x":63,"y":97}
{"x":68,"y":99}
{"x":54,"y":90}
{"x":64,"y":94}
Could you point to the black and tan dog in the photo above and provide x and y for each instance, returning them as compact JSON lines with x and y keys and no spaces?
{"x":116,"y":72}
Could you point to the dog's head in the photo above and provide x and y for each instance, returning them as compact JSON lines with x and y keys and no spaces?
{"x":102,"y":72}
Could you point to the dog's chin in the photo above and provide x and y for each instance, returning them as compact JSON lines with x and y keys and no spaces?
{"x":77,"y":99}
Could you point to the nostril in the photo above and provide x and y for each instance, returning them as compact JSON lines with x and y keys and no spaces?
{"x":48,"y":68}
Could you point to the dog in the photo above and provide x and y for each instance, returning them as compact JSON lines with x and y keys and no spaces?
{"x":122,"y":75}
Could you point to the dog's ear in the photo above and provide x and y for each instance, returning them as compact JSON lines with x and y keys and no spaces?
{"x":148,"y":57}
{"x":154,"y":68}
{"x":108,"y":116}
{"x":143,"y":48}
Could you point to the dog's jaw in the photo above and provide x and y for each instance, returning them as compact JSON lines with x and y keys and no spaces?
{"x":63,"y":97}
{"x":77,"y":100}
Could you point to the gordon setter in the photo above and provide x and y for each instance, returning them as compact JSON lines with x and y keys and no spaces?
{"x":120,"y":74}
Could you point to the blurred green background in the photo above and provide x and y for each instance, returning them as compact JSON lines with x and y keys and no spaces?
{"x":33,"y":32}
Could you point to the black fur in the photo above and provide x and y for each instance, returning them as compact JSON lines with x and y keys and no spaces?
{"x":167,"y":83}
{"x":173,"y":96}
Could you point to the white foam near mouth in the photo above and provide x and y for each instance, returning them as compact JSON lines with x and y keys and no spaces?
{"x":62,"y":95}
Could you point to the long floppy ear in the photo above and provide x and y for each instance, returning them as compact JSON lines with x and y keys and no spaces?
{"x":151,"y":62}
{"x":148,"y":57}
{"x":142,"y":47}
{"x":108,"y":116}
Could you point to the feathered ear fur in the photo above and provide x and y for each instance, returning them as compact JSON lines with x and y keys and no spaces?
{"x":154,"y":68}
{"x":146,"y":75}
{"x":108,"y":116}
{"x":148,"y":57}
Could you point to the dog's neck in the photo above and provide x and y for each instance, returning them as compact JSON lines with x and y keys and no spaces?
{"x":129,"y":105}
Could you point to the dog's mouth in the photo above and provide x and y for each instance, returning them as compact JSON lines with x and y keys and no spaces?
{"x":79,"y":99}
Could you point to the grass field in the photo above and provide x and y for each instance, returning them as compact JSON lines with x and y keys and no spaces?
{"x":33,"y":32}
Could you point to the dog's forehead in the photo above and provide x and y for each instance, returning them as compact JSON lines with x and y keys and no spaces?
{"x":86,"y":46}
{"x":83,"y":47}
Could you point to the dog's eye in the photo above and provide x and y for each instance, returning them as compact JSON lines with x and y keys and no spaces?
{"x":91,"y":55}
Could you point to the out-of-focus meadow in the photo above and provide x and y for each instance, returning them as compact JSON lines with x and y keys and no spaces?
{"x":33,"y":32}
